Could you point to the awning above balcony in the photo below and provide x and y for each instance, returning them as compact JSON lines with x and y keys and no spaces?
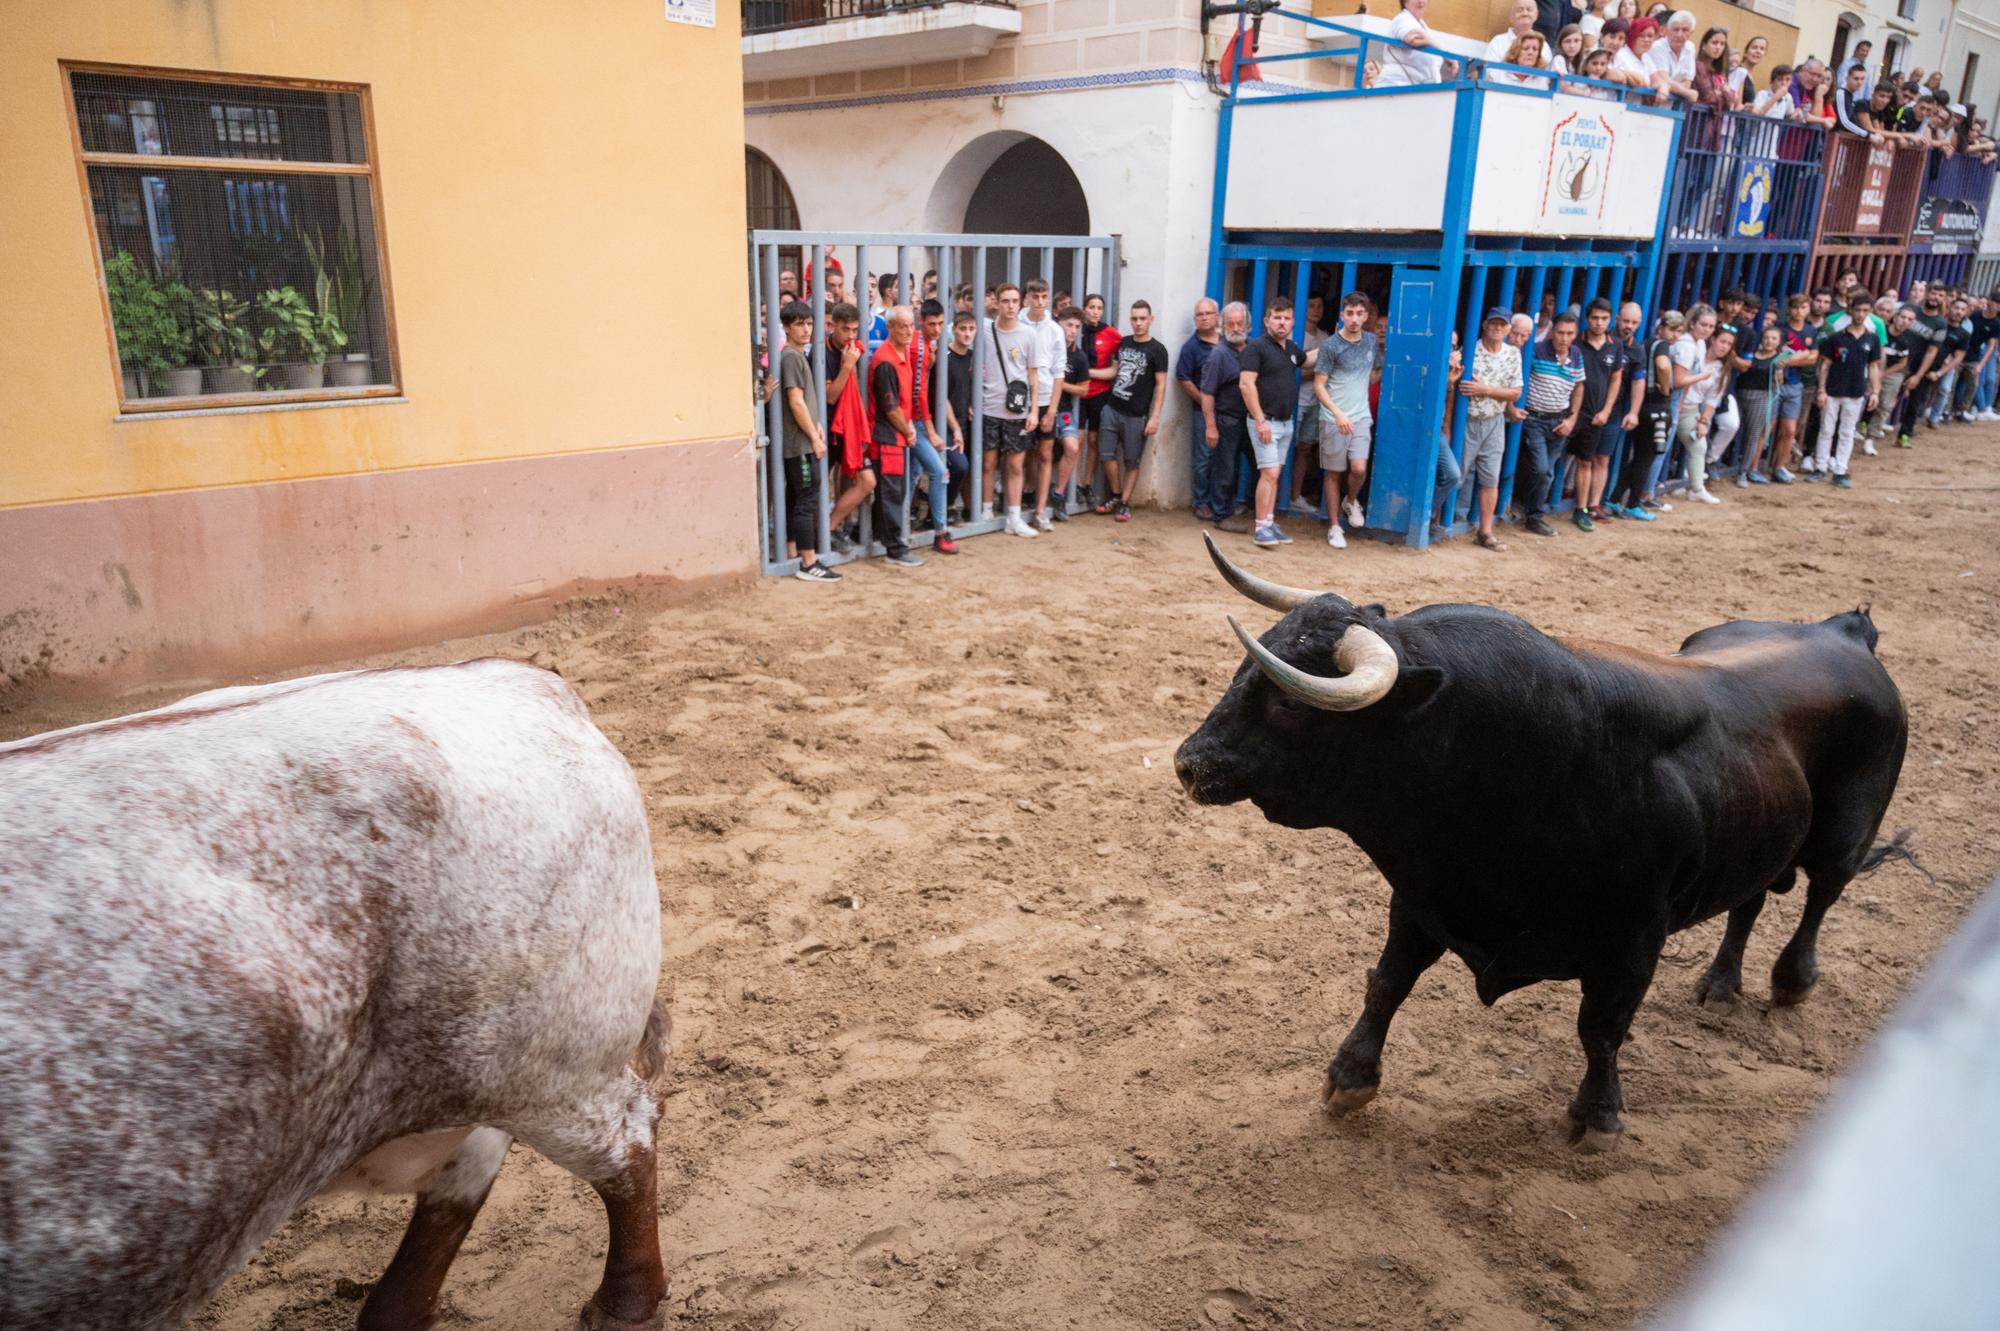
{"x":823,"y":42}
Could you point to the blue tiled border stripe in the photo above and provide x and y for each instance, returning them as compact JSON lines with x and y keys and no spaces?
{"x":1158,"y":74}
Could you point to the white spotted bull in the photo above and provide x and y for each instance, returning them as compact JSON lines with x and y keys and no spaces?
{"x":357,"y":930}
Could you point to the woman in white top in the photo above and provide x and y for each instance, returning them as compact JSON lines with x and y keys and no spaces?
{"x":1628,"y":65}
{"x":1743,"y":78}
{"x":1592,"y":22}
{"x":1402,"y":67}
{"x":1570,"y":47}
{"x":1528,"y":49}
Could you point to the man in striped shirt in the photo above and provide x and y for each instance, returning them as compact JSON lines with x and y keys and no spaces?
{"x":1555,"y":397}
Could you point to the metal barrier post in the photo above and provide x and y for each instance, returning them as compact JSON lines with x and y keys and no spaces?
{"x":774,"y":408}
{"x":822,"y":533}
{"x":981,"y":343}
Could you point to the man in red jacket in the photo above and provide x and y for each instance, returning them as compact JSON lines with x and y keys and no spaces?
{"x":847,"y":421}
{"x":897,"y":400}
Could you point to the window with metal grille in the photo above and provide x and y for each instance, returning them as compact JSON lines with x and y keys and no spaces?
{"x":237,"y":237}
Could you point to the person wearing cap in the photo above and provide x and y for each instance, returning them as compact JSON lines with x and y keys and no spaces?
{"x":1490,"y":392}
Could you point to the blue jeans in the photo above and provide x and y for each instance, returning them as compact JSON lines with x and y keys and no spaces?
{"x":1223,"y":461}
{"x":1989,"y":384}
{"x":1200,"y":455}
{"x":1941,"y":403}
{"x":1535,"y":465}
{"x":936,"y":474}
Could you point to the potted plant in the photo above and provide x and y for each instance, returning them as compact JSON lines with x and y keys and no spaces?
{"x":295,"y":326}
{"x":222,"y":329}
{"x":345,"y":289}
{"x":150,"y":321}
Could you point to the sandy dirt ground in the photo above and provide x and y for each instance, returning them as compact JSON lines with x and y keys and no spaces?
{"x":981,"y":1024}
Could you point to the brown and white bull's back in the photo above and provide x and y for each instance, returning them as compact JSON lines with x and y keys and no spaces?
{"x":354,"y":930}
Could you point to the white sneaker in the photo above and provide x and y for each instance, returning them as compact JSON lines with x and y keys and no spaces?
{"x":1042,"y":520}
{"x":1868,"y":449}
{"x":1704,"y":496}
{"x":986,"y":512}
{"x":1017,"y":526}
{"x":1335,"y":537}
{"x":1355,"y":517}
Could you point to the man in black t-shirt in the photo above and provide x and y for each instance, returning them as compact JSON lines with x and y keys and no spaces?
{"x":1138,"y":375}
{"x":1924,"y":371}
{"x":1603,"y":384}
{"x":1850,"y":378}
{"x":1269,"y":376}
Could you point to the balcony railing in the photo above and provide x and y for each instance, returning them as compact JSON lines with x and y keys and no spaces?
{"x":1745,"y":177}
{"x":777,"y":15}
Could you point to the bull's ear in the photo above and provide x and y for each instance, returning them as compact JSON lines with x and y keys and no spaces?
{"x":1415,"y":686}
{"x":1373,"y":610}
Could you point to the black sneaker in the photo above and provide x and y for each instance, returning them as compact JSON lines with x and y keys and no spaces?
{"x":1538,"y":527}
{"x":841,"y":543}
{"x":815,"y":573}
{"x":904,"y":560}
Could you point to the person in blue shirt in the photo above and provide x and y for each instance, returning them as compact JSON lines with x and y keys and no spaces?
{"x":1555,"y":399}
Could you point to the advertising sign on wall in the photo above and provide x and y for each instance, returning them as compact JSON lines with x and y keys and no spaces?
{"x":1753,"y":200}
{"x":1943,"y":222}
{"x":1874,"y":189}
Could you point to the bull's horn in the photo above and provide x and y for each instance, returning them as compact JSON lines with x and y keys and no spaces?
{"x":1270,"y":595}
{"x":1368,"y":660}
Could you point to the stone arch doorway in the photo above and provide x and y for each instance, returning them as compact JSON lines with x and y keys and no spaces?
{"x":1011,"y":183}
{"x":770,"y":206}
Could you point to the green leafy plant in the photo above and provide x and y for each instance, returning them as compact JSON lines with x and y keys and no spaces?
{"x":150,"y":318}
{"x":342,"y":285}
{"x":292,"y":323}
{"x":222,"y":327}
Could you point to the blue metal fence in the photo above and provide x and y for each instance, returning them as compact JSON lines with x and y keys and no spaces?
{"x":1434,"y":281}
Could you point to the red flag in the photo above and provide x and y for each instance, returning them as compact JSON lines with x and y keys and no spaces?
{"x":1241,"y":54}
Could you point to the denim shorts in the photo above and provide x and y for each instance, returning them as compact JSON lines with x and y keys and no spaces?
{"x":1067,"y":425}
{"x":1272,"y":454}
{"x":1791,"y":401}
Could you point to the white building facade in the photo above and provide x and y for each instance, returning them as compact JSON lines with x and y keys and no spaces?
{"x":1068,"y":117}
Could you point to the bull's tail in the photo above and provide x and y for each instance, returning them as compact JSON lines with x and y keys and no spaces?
{"x":650,"y":1059}
{"x":1896,"y":847}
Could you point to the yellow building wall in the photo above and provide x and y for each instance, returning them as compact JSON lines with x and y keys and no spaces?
{"x":561,"y":194}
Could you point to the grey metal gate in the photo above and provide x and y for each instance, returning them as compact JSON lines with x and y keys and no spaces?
{"x":957,"y":258}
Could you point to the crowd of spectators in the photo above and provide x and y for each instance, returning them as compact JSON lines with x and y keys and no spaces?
{"x":1065,"y":397}
{"x":1766,"y":396}
{"x":1771,"y":396}
{"x":1657,"y":52}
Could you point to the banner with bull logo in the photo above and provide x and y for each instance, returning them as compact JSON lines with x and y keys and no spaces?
{"x":1569,"y":166}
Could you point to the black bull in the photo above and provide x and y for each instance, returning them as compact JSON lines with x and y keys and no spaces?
{"x":1553,"y":810}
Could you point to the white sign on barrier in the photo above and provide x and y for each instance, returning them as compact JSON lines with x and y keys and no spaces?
{"x":1569,"y":166}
